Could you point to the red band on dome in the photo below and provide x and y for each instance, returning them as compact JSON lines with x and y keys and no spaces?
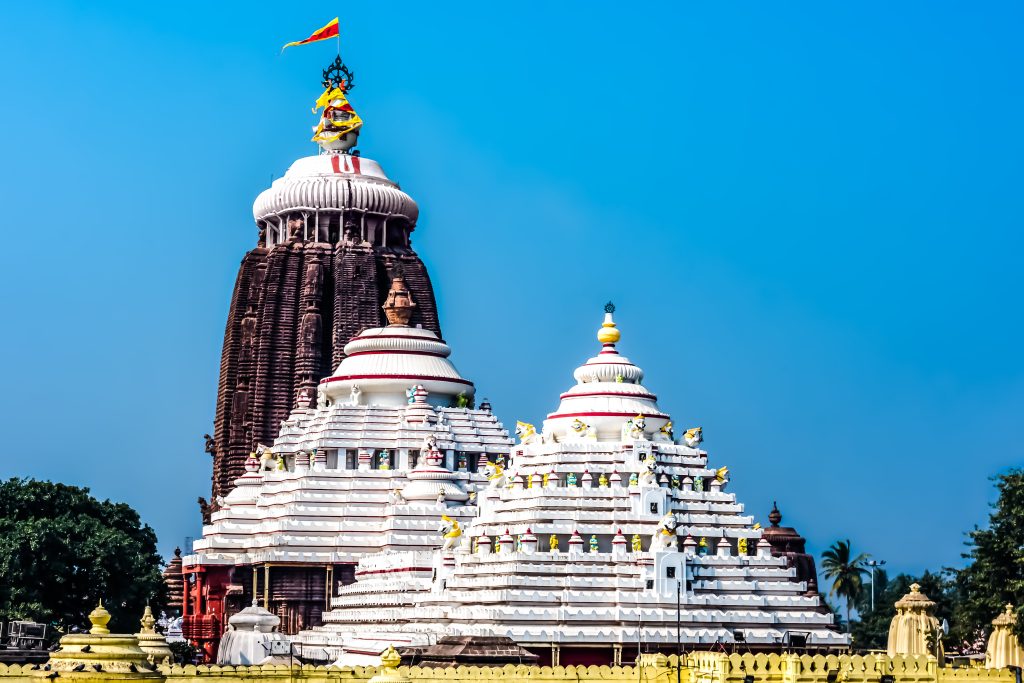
{"x":428,"y":378}
{"x":610,"y":393}
{"x":435,"y":338}
{"x":406,"y":353}
{"x":552,"y":416}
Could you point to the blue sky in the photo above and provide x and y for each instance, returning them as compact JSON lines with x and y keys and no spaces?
{"x":808,"y":214}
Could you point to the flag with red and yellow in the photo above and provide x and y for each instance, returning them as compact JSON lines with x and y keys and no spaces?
{"x":328,"y":31}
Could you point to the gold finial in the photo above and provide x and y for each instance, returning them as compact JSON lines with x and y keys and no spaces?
{"x":608,"y":334}
{"x":399,"y":305}
{"x":390,"y":659}
{"x":147,"y":621}
{"x":99,"y":618}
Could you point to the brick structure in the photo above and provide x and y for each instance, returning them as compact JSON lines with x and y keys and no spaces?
{"x":294,"y":307}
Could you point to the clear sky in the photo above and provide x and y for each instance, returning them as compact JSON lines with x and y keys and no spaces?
{"x":809,"y":215}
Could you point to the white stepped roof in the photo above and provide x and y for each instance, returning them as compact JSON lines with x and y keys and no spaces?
{"x":330,"y":488}
{"x":605,"y":485}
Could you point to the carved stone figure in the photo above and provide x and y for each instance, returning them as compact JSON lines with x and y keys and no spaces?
{"x":648,"y":477}
{"x":495,"y":474}
{"x":527,"y":433}
{"x":450,"y":532}
{"x":634,"y":428}
{"x":664,"y":536}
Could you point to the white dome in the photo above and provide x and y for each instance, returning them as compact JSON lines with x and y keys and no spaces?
{"x":607,"y":393}
{"x":384,"y":362}
{"x":335,"y":181}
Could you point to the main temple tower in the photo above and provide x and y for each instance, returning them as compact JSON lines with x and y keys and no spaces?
{"x":331,"y":234}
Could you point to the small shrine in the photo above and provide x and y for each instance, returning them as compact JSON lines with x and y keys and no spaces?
{"x":914,"y":625}
{"x":1004,"y":648}
{"x":98,"y":651}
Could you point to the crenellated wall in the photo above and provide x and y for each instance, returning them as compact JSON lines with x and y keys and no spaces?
{"x":700,"y":667}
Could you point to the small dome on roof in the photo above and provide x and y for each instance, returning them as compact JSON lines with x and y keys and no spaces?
{"x":608,"y":392}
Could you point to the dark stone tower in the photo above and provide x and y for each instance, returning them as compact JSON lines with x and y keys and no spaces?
{"x":332,"y":232}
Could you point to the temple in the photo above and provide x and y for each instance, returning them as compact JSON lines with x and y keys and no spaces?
{"x":331,"y":232}
{"x":390,"y":449}
{"x":363,"y":500}
{"x":599,"y":537}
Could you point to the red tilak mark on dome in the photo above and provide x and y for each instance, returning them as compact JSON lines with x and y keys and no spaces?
{"x":351,"y":164}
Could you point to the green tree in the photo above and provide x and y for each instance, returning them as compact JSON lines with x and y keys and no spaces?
{"x":61,"y":550}
{"x":846,"y":572}
{"x":995,"y":575}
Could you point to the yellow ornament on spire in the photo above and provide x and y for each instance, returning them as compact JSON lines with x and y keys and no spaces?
{"x":608,"y":334}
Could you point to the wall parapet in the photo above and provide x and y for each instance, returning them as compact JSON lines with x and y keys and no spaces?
{"x":698,"y":667}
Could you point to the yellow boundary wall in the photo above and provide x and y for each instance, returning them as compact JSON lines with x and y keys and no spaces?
{"x":699,"y":667}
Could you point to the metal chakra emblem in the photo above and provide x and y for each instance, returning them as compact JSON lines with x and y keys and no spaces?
{"x":337,"y":75}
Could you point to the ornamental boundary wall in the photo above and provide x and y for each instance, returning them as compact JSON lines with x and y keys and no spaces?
{"x":699,"y":667}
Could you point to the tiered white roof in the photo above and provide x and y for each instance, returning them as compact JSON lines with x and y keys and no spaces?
{"x":582,"y":540}
{"x":342,"y":479}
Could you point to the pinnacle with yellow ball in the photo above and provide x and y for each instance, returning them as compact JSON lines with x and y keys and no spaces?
{"x":608,"y":334}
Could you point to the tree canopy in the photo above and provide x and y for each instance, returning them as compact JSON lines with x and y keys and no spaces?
{"x":995,"y":574}
{"x":61,"y":550}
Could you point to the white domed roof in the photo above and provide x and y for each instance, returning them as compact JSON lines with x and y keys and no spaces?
{"x":608,"y":392}
{"x":335,"y":181}
{"x":382,"y":363}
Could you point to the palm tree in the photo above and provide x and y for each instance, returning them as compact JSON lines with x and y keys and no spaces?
{"x":847,"y":574}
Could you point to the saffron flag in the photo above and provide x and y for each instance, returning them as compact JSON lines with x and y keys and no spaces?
{"x":328,"y":31}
